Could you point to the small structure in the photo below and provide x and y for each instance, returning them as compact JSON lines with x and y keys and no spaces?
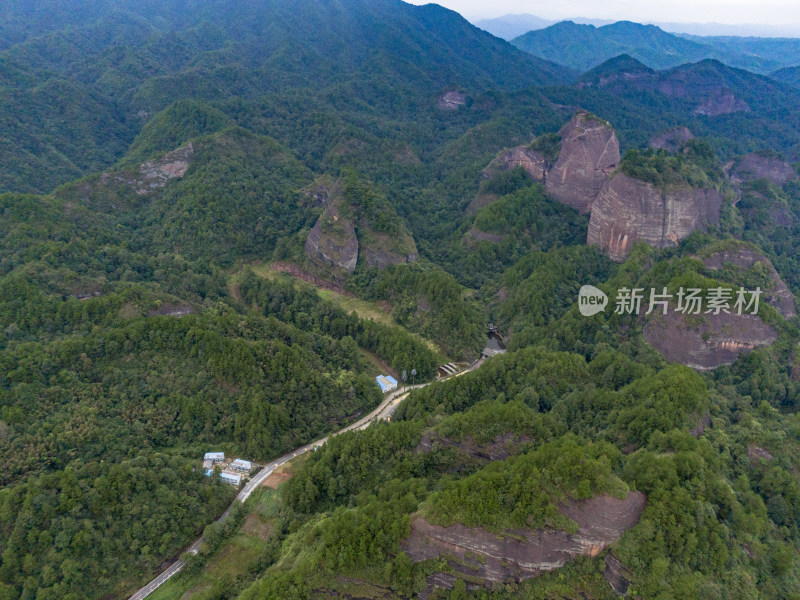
{"x":449,"y":369}
{"x":241,"y":465}
{"x":214,"y":457}
{"x":232,"y":478}
{"x":387,"y":383}
{"x":209,"y":472}
{"x":208,"y":464}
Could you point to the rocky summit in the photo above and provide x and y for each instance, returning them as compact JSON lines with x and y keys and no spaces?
{"x":589,"y":153}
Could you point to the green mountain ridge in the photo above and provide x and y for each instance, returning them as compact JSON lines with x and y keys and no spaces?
{"x":583,"y":47}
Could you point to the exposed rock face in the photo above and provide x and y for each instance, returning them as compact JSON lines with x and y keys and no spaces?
{"x":172,"y":310}
{"x":627,"y":210}
{"x":481,"y":236}
{"x":451,"y":100}
{"x":756,"y":166}
{"x":532,"y":161}
{"x":155,"y":173}
{"x":778,"y":296}
{"x":671,"y":140}
{"x":702,"y":423}
{"x":617,"y":576}
{"x":756,"y":454}
{"x":333,"y":241}
{"x":335,"y":244}
{"x":589,"y":153}
{"x":500,"y":448}
{"x":727,"y":336}
{"x":522,"y":554}
{"x":722,"y":102}
{"x":383,"y":258}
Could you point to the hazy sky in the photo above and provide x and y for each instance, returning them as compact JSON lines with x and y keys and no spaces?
{"x":762,"y":12}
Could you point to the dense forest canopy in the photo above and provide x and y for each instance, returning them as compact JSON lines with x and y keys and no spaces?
{"x":220,"y":221}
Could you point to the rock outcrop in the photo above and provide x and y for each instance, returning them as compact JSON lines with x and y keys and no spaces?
{"x":522,"y":554}
{"x":343,"y":234}
{"x":451,"y":100}
{"x":628,"y":209}
{"x":333,"y":242}
{"x":500,"y":448}
{"x":758,"y":166}
{"x":743,"y":257}
{"x":705,"y":342}
{"x":617,"y":575}
{"x":671,"y":140}
{"x":155,"y":173}
{"x":721,"y":102}
{"x":382,"y":258}
{"x":522,"y":156}
{"x":589,"y":153}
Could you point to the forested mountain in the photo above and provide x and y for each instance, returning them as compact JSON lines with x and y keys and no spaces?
{"x":583,"y":46}
{"x":220,"y":221}
{"x":125,"y":61}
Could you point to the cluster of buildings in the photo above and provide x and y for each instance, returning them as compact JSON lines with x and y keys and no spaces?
{"x":229,"y":472}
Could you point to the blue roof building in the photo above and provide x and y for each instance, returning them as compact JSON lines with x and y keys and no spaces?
{"x":387,"y":383}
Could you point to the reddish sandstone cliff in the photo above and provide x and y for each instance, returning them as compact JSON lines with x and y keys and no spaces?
{"x":589,"y":153}
{"x":522,"y":554}
{"x":627,"y":210}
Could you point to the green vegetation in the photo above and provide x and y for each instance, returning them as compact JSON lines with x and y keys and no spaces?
{"x":134,"y":336}
{"x":696,"y":166}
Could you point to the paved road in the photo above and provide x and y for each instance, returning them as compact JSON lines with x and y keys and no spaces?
{"x":384,"y":410}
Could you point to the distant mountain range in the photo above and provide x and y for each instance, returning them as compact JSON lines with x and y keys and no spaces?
{"x":584,"y":46}
{"x":510,"y":26}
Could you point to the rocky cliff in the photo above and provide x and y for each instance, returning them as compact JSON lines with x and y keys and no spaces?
{"x":381,"y":255}
{"x":671,"y":140}
{"x":705,"y":342}
{"x":346,"y":232}
{"x":522,"y":554}
{"x":744,"y":257}
{"x":532,"y":161}
{"x":333,"y":242}
{"x":628,"y":209}
{"x":451,"y":100}
{"x":589,"y":153}
{"x":758,"y":166}
{"x":155,"y":173}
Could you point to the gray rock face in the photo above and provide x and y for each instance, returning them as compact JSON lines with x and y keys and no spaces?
{"x":155,"y":173}
{"x":589,"y":153}
{"x":722,"y":102}
{"x":778,"y":296}
{"x":382,"y":259}
{"x":671,"y":140}
{"x":521,"y":156}
{"x":522,"y":554}
{"x":337,"y":248}
{"x":627,"y":210}
{"x":713,"y":341}
{"x":617,"y":576}
{"x":755,"y":166}
{"x":451,"y":100}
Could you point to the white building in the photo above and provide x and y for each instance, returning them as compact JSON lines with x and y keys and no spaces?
{"x":241,"y":465}
{"x":214,"y":456}
{"x":232,"y":478}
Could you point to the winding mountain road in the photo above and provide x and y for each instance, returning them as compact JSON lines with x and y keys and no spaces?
{"x":385,"y":409}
